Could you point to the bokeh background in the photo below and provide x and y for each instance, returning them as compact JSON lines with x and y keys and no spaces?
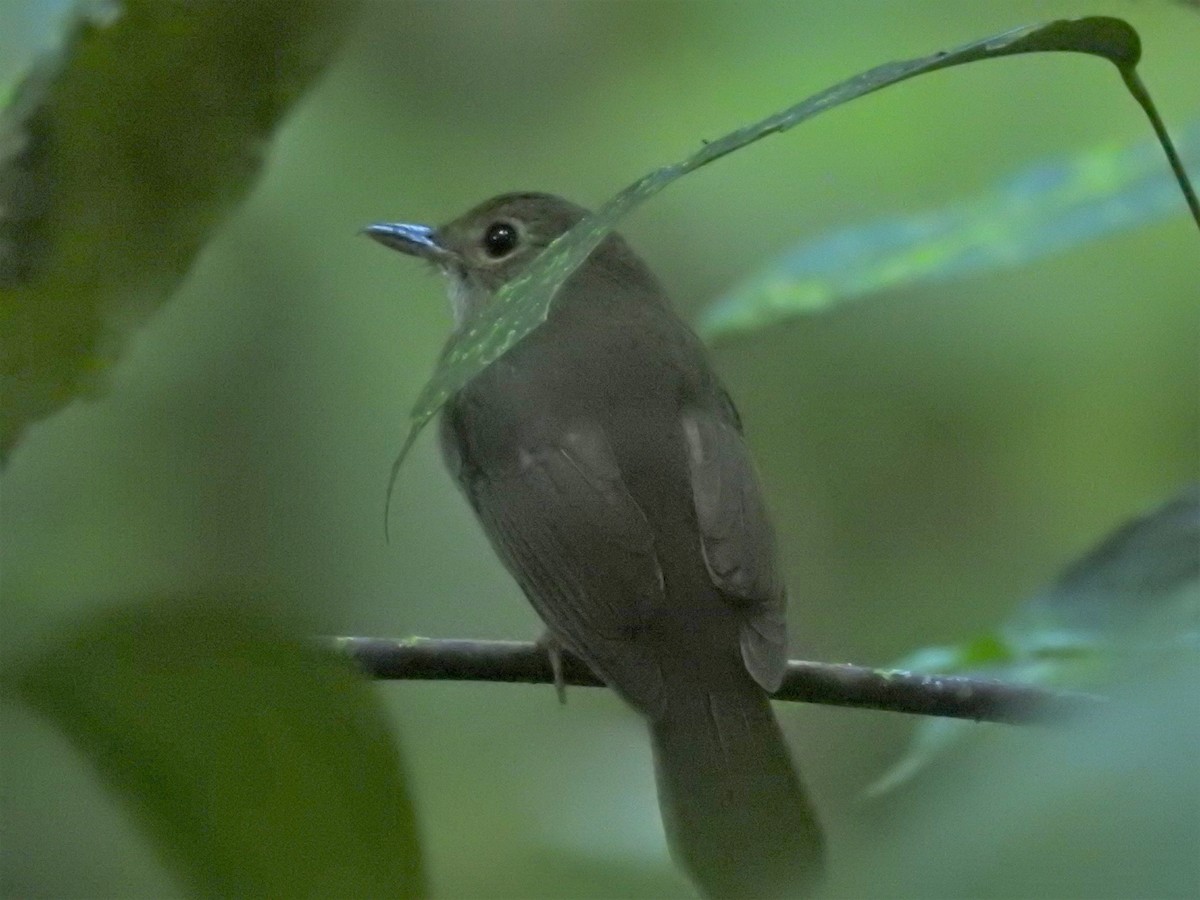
{"x":931,"y":455}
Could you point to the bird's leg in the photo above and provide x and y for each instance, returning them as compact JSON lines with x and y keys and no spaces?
{"x":554,"y":650}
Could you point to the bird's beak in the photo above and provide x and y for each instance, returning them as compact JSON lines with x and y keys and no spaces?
{"x":415,"y":240}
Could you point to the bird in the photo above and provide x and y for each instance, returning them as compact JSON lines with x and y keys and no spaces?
{"x":607,"y":466}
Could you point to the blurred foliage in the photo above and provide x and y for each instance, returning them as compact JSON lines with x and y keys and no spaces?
{"x":1131,"y":604}
{"x":1103,"y":808}
{"x":120,"y":155}
{"x":928,"y":456}
{"x":1047,"y":208}
{"x":258,"y":763}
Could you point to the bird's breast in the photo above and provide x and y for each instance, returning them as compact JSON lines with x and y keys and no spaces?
{"x":537,"y":393}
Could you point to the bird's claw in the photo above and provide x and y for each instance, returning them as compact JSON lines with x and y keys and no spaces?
{"x":554,"y":651}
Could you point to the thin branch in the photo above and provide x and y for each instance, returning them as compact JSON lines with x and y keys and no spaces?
{"x":834,"y":684}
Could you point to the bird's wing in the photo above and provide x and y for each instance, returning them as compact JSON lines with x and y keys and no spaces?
{"x":567,"y":529}
{"x":737,"y":539}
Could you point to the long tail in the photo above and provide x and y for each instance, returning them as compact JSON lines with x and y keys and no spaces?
{"x":736,"y":816}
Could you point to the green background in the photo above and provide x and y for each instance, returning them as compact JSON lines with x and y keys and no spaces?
{"x":931,"y":456}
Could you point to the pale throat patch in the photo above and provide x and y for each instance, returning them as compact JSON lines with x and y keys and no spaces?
{"x":460,"y":297}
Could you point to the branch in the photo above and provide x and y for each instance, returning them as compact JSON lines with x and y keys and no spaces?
{"x":953,"y":696}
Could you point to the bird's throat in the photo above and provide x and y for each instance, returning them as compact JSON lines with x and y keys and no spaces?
{"x":463,"y":296}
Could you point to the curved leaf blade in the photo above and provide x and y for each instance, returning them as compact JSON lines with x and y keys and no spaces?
{"x":258,"y":764}
{"x":523,"y":304}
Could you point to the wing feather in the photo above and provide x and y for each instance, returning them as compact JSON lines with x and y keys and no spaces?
{"x":737,"y":539}
{"x":567,"y":529}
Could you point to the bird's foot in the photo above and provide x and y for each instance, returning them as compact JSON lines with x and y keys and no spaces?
{"x":554,"y":650}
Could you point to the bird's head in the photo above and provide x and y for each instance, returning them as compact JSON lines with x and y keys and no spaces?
{"x":485,"y":248}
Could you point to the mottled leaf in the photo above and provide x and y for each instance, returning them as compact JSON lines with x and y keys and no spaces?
{"x":524,"y":303}
{"x":1047,"y":208}
{"x":258,"y":764}
{"x":119,"y":158}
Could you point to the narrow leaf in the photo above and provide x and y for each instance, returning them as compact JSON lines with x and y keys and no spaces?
{"x":523,"y":304}
{"x":1045,"y":209}
{"x":258,"y":764}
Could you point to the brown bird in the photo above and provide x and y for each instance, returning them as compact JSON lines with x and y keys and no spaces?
{"x":606,"y":463}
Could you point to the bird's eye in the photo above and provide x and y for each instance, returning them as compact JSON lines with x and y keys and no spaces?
{"x":500,"y":239}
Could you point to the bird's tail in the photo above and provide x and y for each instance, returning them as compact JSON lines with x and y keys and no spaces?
{"x":736,"y":816}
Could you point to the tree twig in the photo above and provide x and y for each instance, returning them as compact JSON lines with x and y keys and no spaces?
{"x":834,"y":684}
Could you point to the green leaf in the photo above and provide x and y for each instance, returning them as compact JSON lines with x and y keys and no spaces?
{"x":1047,"y":208}
{"x":1133,"y":586}
{"x":523,"y":304}
{"x":985,"y":650}
{"x":932,"y":738}
{"x":258,"y":764}
{"x":1133,"y":600}
{"x":119,"y":158}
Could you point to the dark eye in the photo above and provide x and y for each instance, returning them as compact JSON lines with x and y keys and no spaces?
{"x":500,"y":239}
